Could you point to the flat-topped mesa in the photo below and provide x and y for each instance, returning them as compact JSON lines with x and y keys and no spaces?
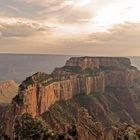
{"x":99,"y":62}
{"x":84,"y":75}
{"x":93,"y":65}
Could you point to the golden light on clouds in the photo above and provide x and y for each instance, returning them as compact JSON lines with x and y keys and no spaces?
{"x":96,"y":27}
{"x":83,"y":2}
{"x":125,"y":11}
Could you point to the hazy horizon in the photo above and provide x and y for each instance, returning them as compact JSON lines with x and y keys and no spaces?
{"x":93,"y":55}
{"x":19,"y":66}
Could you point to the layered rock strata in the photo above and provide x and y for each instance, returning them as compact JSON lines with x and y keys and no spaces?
{"x":79,"y":76}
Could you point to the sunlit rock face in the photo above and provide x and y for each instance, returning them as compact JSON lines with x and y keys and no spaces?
{"x":82,"y":76}
{"x":98,"y":62}
{"x":37,"y":98}
{"x":8,"y":89}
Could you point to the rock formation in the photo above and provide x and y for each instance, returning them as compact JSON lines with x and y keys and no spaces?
{"x":79,"y":76}
{"x":8,"y":90}
{"x":106,"y":87}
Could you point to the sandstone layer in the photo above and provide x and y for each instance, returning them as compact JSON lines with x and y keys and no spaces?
{"x":8,"y":90}
{"x":108,"y":88}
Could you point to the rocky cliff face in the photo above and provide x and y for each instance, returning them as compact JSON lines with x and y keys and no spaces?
{"x":98,"y":62}
{"x":108,"y":88}
{"x":8,"y":90}
{"x":37,"y":98}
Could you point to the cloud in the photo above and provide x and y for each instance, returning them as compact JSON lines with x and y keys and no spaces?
{"x":63,"y":11}
{"x":19,"y":28}
{"x":68,"y":26}
{"x":68,"y":15}
{"x":123,"y":39}
{"x":66,"y":12}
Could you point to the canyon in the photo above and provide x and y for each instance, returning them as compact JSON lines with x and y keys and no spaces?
{"x":86,"y":90}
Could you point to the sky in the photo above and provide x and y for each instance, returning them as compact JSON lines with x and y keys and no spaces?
{"x":74,"y":27}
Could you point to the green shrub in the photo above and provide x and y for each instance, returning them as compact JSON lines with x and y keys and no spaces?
{"x":28,"y":128}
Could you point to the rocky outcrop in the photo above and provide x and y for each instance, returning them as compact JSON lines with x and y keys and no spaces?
{"x":43,"y":96}
{"x":123,"y":131}
{"x":123,"y":78}
{"x":84,"y":64}
{"x":107,"y":87}
{"x":8,"y":90}
{"x":83,"y":75}
{"x":79,"y":76}
{"x":98,"y":62}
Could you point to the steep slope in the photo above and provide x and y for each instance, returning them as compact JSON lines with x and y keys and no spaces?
{"x":8,"y":90}
{"x":106,"y":89}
